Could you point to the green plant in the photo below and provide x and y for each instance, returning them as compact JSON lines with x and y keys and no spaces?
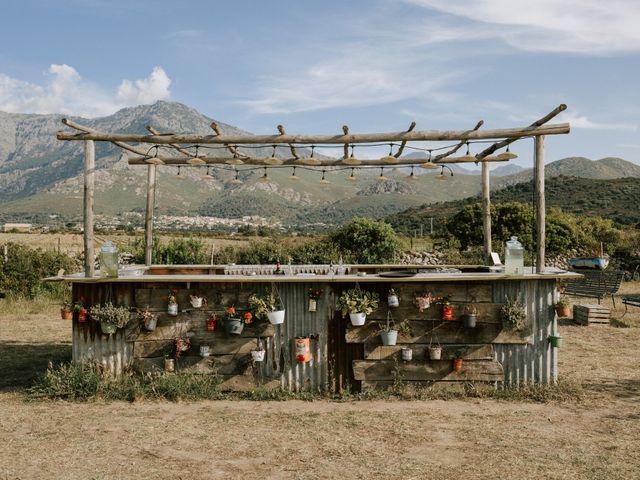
{"x":109,"y":313}
{"x":364,"y":240}
{"x":357,"y":301}
{"x":67,"y":305}
{"x":513,"y":315}
{"x":263,"y":304}
{"x":563,"y":301}
{"x":178,"y":251}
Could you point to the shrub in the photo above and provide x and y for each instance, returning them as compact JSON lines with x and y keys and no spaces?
{"x":364,"y":240}
{"x":178,"y":251}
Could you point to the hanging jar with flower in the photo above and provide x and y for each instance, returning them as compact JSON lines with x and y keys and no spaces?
{"x":314,"y":294}
{"x":446,"y":309}
{"x":212,"y":323}
{"x":81,"y":309}
{"x":172,"y":302}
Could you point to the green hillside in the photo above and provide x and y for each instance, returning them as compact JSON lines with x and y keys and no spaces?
{"x":617,"y":199}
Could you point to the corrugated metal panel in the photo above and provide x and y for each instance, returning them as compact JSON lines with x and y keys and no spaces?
{"x":536,"y":362}
{"x":112,"y":351}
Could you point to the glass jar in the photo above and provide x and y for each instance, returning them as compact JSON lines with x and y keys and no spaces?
{"x":514,"y":257}
{"x":108,"y":260}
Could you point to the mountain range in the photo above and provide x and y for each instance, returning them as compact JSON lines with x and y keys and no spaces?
{"x":41,"y":176}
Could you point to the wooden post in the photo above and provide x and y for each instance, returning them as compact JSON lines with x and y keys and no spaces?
{"x":486,"y":212}
{"x":540,"y":202}
{"x":89,"y":184}
{"x":148,"y":223}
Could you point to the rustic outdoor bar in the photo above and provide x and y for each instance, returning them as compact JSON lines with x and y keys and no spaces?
{"x":202,"y":318}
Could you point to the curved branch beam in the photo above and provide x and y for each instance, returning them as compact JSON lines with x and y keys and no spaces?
{"x":233,"y":150}
{"x":404,"y":142}
{"x":428,"y":135}
{"x":292,"y":147}
{"x":439,"y":157}
{"x":82,"y":128}
{"x":498,"y":145}
{"x":153,"y":131}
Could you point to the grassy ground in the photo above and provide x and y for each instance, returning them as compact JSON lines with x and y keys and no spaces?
{"x":596,"y":437}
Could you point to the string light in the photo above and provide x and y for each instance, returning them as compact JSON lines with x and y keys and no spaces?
{"x":352,"y":177}
{"x":179,"y":175}
{"x":312,"y":160}
{"x":429,"y":164}
{"x":412,"y":176}
{"x":236,"y":180}
{"x":265,"y":178}
{"x":390,"y":158}
{"x":293,"y":175}
{"x":273,"y":160}
{"x":154,"y":160}
{"x":382,"y":178}
{"x":324,"y":181}
{"x":351,"y":160}
{"x":467,"y":157}
{"x":442,"y":176}
{"x":196,"y":160}
{"x":207,"y":176}
{"x":235,"y":160}
{"x":506,"y":155}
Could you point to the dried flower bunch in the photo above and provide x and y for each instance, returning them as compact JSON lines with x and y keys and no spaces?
{"x":109,"y":313}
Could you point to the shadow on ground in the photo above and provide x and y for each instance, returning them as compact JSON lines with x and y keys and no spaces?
{"x":22,"y":363}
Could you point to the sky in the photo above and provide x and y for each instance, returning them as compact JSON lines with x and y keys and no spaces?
{"x":313,"y":66}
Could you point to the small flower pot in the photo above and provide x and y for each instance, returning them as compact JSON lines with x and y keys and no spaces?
{"x":211,"y":325}
{"x":446,"y":313}
{"x":357,"y":319}
{"x":389,"y":338}
{"x":233,"y":326}
{"x":555,"y":341}
{"x":563,"y":311}
{"x":458,"y":363}
{"x":82,"y":315}
{"x":407,"y":354}
{"x":469,"y":320}
{"x":196,"y":302}
{"x":393,"y":301}
{"x":169,"y":365}
{"x":257,"y":355}
{"x":150,"y":325}
{"x":313,"y":305}
{"x":435,"y":353}
{"x":276,"y":318}
{"x":108,"y":328}
{"x":66,"y":314}
{"x":172,"y":309}
{"x":205,"y":351}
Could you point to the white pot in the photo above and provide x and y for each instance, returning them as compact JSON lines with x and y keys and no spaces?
{"x":407,"y":354}
{"x":313,"y":304}
{"x":172,"y":309}
{"x":276,"y":318}
{"x":257,"y":355}
{"x":357,"y":319}
{"x":196,"y":302}
{"x":435,"y":353}
{"x":204,"y":350}
{"x":393,"y":301}
{"x":150,"y":325}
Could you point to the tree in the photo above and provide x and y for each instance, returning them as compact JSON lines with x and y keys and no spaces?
{"x":363,"y":240}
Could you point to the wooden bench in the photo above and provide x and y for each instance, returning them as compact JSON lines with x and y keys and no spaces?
{"x":633,"y":300}
{"x":595,"y":284}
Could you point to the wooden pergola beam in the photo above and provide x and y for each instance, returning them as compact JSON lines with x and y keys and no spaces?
{"x":441,"y":156}
{"x":427,"y":135}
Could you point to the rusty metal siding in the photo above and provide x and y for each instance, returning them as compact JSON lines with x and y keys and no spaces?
{"x":537,"y":362}
{"x":114,"y":352}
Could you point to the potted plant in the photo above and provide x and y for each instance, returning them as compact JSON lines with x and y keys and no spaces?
{"x":314,"y":294}
{"x":197,"y":301}
{"x":66,"y":310}
{"x":80,"y":308}
{"x":182,"y":345}
{"x":406,"y":354}
{"x":469,"y":316}
{"x":212,"y":322}
{"x":435,"y":352}
{"x":555,"y":341}
{"x":148,"y":318}
{"x":458,"y":362}
{"x":268,"y":305}
{"x":110,"y":317}
{"x":358,"y":304}
{"x":563,"y":307}
{"x":234,"y":323}
{"x":169,"y":364}
{"x":392,"y":299}
{"x":258,"y":353}
{"x":172,"y":302}
{"x":388,"y":333}
{"x":446,"y":310}
{"x":423,"y":301}
{"x":513,"y":315}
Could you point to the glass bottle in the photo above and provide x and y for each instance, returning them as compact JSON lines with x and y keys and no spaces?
{"x":514,"y":257}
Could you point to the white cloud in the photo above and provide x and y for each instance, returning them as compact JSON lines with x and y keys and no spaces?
{"x":582,"y":121}
{"x":68,"y":93}
{"x":576,"y":26}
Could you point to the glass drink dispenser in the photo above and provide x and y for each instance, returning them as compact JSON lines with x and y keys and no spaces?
{"x":514,"y":257}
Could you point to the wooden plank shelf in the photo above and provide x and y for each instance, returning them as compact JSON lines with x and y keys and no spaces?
{"x":420,"y":352}
{"x":487,"y":312}
{"x":437,"y":370}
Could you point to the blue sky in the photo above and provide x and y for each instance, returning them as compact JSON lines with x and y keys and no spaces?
{"x":313,"y":66}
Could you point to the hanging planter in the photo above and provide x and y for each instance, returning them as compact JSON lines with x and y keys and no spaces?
{"x":258,"y":355}
{"x":469,"y":316}
{"x":149,"y":319}
{"x":458,"y":364}
{"x":172,"y":303}
{"x":303,"y":349}
{"x":268,"y":306}
{"x":563,"y":307}
{"x":314,"y":295}
{"x":435,"y":352}
{"x":182,"y":346}
{"x":392,"y":299}
{"x":66,"y":310}
{"x":197,"y":301}
{"x":233,"y":324}
{"x":555,"y":341}
{"x":110,"y":317}
{"x":406,"y":354}
{"x":423,"y":301}
{"x":388,"y":335}
{"x":205,"y":351}
{"x":358,"y":304}
{"x":169,"y":365}
{"x":212,"y":323}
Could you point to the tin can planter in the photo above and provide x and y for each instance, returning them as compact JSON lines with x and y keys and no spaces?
{"x":393,"y":301}
{"x":446,"y":313}
{"x":66,"y":314}
{"x":169,"y":365}
{"x":151,"y":323}
{"x":469,"y":320}
{"x":172,"y":309}
{"x":276,"y":318}
{"x":211,"y":324}
{"x":458,"y":363}
{"x":357,"y":319}
{"x":82,"y":315}
{"x":233,"y":326}
{"x":205,"y":351}
{"x":555,"y":341}
{"x":196,"y":302}
{"x":108,"y":328}
{"x":257,"y":355}
{"x":435,"y":353}
{"x":303,"y":349}
{"x":406,"y":354}
{"x":313,"y":305}
{"x":389,"y":338}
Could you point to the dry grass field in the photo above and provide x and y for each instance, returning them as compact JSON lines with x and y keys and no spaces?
{"x":597,"y":436}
